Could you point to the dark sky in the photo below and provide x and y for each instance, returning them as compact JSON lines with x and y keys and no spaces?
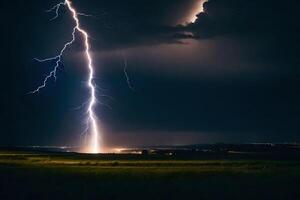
{"x":232,"y":76}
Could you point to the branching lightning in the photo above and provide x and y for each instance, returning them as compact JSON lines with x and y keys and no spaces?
{"x":93,"y":146}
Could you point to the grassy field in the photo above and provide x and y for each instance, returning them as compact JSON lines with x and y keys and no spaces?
{"x":26,"y":175}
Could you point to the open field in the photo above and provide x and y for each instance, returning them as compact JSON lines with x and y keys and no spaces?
{"x":27,"y":175}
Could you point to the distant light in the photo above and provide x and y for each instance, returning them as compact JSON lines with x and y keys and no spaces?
{"x":118,"y":150}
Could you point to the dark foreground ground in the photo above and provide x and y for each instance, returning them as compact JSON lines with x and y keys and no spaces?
{"x":27,"y":175}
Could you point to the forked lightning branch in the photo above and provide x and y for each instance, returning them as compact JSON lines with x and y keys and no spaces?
{"x":93,"y":144}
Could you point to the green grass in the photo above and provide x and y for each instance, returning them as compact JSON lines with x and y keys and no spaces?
{"x":26,"y":175}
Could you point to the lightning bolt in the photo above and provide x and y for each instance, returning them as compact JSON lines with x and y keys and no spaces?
{"x":126,"y":74}
{"x":93,"y":146}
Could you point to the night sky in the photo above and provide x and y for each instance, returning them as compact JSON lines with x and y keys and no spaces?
{"x":231,"y":76}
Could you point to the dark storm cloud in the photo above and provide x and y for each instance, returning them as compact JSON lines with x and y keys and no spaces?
{"x":223,"y":17}
{"x":134,"y":22}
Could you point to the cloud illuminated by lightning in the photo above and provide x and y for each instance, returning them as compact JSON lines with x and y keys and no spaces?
{"x":196,"y":10}
{"x":93,"y":146}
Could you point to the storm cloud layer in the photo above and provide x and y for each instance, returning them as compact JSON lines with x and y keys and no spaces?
{"x":231,"y":76}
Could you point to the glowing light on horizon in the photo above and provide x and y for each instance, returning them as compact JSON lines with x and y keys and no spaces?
{"x":93,"y":144}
